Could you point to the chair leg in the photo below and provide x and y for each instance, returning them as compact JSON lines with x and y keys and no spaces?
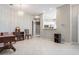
{"x":25,"y":37}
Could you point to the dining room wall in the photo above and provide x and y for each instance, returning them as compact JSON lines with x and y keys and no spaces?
{"x":9,"y":19}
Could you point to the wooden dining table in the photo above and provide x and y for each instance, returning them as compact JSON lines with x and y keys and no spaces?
{"x":7,"y":41}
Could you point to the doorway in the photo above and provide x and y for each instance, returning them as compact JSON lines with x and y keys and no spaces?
{"x":36,"y":28}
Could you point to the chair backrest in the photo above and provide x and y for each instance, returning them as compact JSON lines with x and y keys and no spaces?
{"x":1,"y":34}
{"x":17,"y":33}
{"x":26,"y":31}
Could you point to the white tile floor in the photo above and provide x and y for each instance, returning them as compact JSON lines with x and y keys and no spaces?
{"x":40,"y":46}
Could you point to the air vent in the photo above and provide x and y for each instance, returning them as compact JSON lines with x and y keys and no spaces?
{"x":11,"y":4}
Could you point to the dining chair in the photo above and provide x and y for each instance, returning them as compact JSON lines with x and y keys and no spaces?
{"x":26,"y":33}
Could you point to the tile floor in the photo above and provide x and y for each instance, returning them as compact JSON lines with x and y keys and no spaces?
{"x":41,"y":46}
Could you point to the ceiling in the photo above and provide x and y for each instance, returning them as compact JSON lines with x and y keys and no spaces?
{"x":35,"y":9}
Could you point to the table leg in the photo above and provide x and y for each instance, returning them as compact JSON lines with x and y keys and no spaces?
{"x":11,"y":47}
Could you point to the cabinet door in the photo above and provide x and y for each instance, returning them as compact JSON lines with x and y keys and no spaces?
{"x":74,"y":23}
{"x":78,"y":25}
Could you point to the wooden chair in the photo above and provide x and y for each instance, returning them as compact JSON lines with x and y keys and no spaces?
{"x":19,"y":35}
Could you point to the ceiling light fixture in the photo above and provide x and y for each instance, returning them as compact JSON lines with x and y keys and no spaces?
{"x":37,"y":17}
{"x":20,"y":13}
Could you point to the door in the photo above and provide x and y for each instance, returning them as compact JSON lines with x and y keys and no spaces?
{"x":37,"y":28}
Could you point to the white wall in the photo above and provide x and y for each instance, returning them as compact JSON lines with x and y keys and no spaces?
{"x":49,"y":16}
{"x":41,"y":22}
{"x":9,"y":19}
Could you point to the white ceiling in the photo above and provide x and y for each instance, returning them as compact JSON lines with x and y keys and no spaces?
{"x":35,"y":9}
